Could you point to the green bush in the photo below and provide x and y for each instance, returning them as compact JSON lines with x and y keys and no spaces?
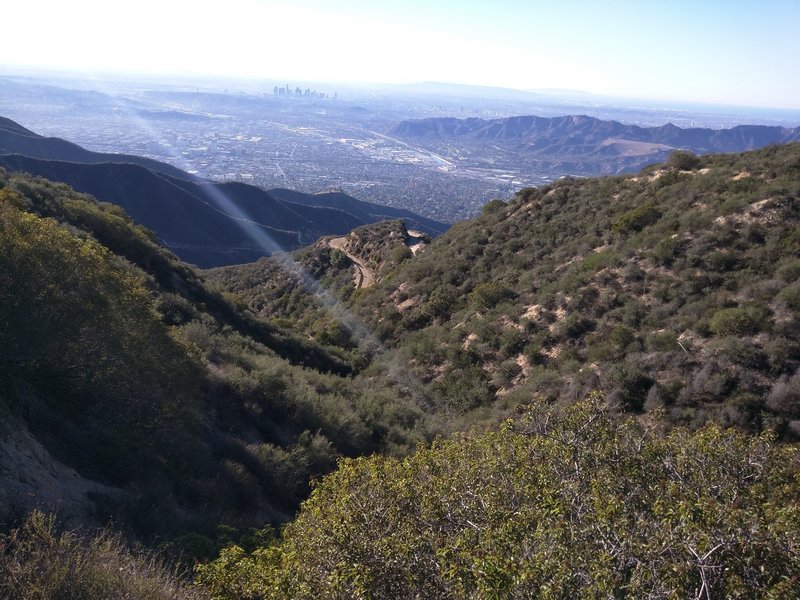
{"x":442,"y":301}
{"x":662,"y":341}
{"x":339,"y":259}
{"x":493,"y":206}
{"x":734,"y":321}
{"x":789,"y":272}
{"x":610,"y":345}
{"x":744,"y":353}
{"x":399,"y":254}
{"x":489,"y":294}
{"x":596,"y":261}
{"x":574,"y":326}
{"x":636,"y":219}
{"x":463,"y":389}
{"x":683,"y":160}
{"x":554,"y":505}
{"x":664,"y":251}
{"x":791,"y":296}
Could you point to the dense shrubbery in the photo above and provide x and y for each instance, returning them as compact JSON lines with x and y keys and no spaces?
{"x":77,"y":325}
{"x":648,"y":274}
{"x":555,"y":505}
{"x":128,"y":368}
{"x":674,"y":292}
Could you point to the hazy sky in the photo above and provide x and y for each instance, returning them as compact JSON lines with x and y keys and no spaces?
{"x":742,"y":52}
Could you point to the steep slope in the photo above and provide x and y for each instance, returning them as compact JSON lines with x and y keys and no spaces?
{"x":365,"y":211}
{"x":675,"y":290}
{"x":83,"y":351}
{"x":132,"y":391}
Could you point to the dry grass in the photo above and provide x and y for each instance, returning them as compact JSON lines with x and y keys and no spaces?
{"x":37,"y":563}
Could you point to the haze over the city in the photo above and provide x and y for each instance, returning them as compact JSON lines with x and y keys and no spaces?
{"x":739,"y":52}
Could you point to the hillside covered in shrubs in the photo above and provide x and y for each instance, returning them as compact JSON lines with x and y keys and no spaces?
{"x":591,"y":390}
{"x":131,"y":390}
{"x":673,"y":290}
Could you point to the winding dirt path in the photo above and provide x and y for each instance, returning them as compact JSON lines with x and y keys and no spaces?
{"x":363,"y":277}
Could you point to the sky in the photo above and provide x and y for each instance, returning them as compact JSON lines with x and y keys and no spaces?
{"x":735,"y":52}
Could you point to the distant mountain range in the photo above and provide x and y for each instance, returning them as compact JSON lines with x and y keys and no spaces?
{"x":589,"y":145}
{"x":205,"y":223}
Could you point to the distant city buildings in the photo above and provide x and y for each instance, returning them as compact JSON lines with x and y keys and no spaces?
{"x":287,"y":92}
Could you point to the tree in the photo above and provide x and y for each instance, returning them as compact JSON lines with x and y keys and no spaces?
{"x":683,"y":160}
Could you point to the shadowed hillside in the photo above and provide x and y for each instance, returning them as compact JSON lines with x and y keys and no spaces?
{"x":16,"y":139}
{"x":204,"y":223}
{"x":131,"y":389}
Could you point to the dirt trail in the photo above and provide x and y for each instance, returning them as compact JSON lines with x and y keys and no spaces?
{"x":363,"y":277}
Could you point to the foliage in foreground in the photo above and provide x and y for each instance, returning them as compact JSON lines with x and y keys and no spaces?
{"x":554,"y":505}
{"x":77,"y":325}
{"x":37,"y":562}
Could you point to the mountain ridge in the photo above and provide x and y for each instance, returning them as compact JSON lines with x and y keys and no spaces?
{"x":595,"y":130}
{"x":200,"y":220}
{"x":587,"y":145}
{"x":182,"y":213}
{"x":366,"y":211}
